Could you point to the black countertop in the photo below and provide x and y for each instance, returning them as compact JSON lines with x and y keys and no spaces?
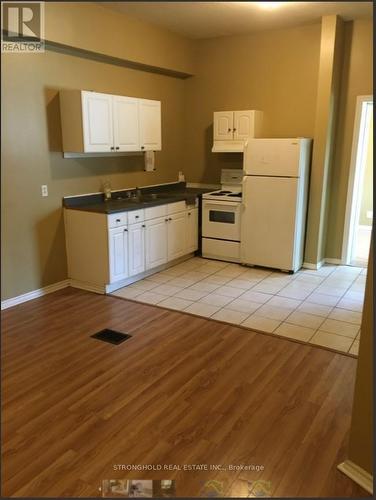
{"x":150,"y":197}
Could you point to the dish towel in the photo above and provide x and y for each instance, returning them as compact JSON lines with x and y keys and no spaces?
{"x":149,"y":161}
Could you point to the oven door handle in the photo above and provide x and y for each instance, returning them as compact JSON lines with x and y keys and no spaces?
{"x":217,"y":204}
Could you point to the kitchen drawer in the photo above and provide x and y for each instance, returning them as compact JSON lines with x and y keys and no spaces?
{"x":221,"y":249}
{"x":178,"y":206}
{"x":154,"y":212}
{"x":117,"y":220}
{"x":136,"y":216}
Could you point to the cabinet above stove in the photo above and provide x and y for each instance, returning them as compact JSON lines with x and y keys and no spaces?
{"x":231,"y":129}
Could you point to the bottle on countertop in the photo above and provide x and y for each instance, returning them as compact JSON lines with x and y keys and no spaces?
{"x":107,"y":190}
{"x":181,"y":177}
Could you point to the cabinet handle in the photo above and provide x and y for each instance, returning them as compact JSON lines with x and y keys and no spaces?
{"x":229,"y":130}
{"x":136,"y":216}
{"x":234,"y":129}
{"x":166,"y":220}
{"x":117,"y":147}
{"x":189,"y":213}
{"x":112,"y":148}
{"x":142,"y":147}
{"x":118,"y":220}
{"x":125,"y":230}
{"x":170,"y":218}
{"x":143,"y":225}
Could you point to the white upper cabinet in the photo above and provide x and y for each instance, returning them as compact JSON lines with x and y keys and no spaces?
{"x":150,"y":125}
{"x":244,"y":125}
{"x":223,"y":125}
{"x":231,"y":129}
{"x":93,"y":122}
{"x":98,"y":122}
{"x":126,"y":123}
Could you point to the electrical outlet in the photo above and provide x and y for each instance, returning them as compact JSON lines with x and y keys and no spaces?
{"x":44,"y":190}
{"x":369,"y":214}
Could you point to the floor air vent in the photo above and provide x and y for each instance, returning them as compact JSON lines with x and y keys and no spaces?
{"x":111,"y":336}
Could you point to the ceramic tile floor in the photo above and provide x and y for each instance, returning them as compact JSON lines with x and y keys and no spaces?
{"x":322,"y":307}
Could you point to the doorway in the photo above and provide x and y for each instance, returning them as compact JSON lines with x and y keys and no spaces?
{"x":359,"y":208}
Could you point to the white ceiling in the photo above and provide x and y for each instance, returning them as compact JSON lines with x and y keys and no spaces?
{"x":212,"y":19}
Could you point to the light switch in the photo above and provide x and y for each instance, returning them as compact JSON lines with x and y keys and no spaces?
{"x":44,"y":189}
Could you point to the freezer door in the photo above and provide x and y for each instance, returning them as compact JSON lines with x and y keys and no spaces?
{"x":273,"y":157}
{"x":268,"y":221}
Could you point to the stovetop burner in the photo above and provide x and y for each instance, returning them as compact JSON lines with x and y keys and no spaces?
{"x":226,"y":193}
{"x":220,"y":193}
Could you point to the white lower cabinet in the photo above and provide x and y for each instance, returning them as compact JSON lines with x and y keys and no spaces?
{"x":191,"y":225}
{"x":176,"y":236}
{"x":118,"y":250}
{"x":136,"y":248}
{"x":156,"y":242}
{"x":104,"y":252}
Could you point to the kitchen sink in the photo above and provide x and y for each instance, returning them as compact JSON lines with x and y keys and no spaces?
{"x":145,"y":197}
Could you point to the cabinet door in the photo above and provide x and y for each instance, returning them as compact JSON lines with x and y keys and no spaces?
{"x":223,"y":125}
{"x":97,"y":118}
{"x":126,"y":127}
{"x":191,"y":230}
{"x":156,"y":242}
{"x":176,"y":236}
{"x":136,"y":248}
{"x":118,"y":250}
{"x":150,"y":125}
{"x":244,"y":122}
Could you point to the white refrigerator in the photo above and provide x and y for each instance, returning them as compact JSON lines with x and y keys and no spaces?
{"x":274,"y":202}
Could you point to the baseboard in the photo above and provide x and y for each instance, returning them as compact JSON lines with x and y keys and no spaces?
{"x":333,"y":261}
{"x":309,"y":265}
{"x":327,"y":260}
{"x":89,"y":287}
{"x":357,"y":474}
{"x":14,"y":301}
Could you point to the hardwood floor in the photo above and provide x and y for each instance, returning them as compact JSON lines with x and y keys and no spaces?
{"x":182,"y":390}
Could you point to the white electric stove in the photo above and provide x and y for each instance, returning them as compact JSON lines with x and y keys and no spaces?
{"x":221,"y":218}
{"x":231,"y":186}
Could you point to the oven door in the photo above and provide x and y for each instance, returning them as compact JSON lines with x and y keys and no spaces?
{"x":221,"y":220}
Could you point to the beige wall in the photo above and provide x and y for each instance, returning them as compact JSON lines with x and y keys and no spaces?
{"x":93,"y":27}
{"x":356,"y":80}
{"x":274,"y":71}
{"x":277,"y":72}
{"x":361,"y":433}
{"x":32,"y":226}
{"x":331,"y":57}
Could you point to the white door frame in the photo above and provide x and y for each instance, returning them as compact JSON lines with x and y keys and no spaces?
{"x":360,"y":134}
